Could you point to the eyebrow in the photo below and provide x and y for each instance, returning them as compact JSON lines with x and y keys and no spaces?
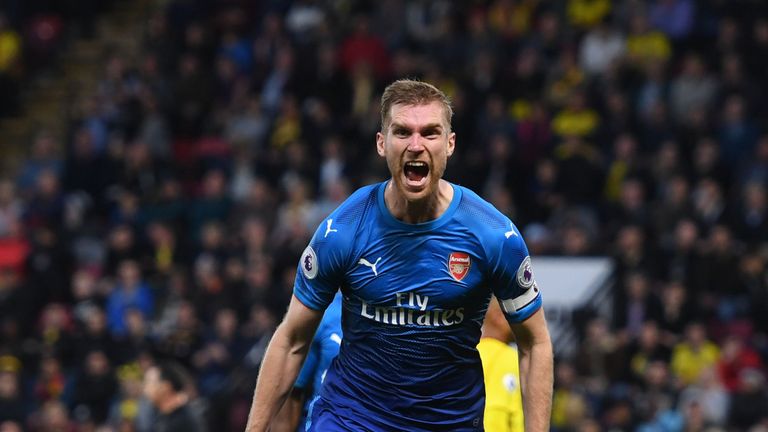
{"x":427,"y":127}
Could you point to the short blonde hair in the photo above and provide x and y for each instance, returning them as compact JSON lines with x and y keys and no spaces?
{"x":412,"y":92}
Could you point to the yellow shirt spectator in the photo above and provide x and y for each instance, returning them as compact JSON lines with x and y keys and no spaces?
{"x":503,"y":400}
{"x":688,"y":362}
{"x":648,"y":47}
{"x":578,"y":123}
{"x":10,"y":50}
{"x":587,"y":13}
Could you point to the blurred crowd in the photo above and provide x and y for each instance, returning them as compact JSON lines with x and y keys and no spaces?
{"x":33,"y":34}
{"x":167,"y":224}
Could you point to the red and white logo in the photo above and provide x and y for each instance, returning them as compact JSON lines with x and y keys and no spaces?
{"x":458,"y":265}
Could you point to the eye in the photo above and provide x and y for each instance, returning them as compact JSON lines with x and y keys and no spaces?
{"x":401,"y":133}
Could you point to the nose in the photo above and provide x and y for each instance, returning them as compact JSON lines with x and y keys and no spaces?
{"x":415,"y":144}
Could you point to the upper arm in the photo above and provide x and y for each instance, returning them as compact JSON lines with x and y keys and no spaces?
{"x":531,"y":331}
{"x":300,"y":323}
{"x":512,"y":276}
{"x":323,"y":264}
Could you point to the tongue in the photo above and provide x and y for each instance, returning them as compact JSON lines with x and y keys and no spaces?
{"x":413,"y":175}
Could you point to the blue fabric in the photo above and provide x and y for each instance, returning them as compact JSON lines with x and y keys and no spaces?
{"x":325,"y":346}
{"x":414,"y":298}
{"x":121,"y":300}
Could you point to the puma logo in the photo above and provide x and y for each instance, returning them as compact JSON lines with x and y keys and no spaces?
{"x":367,"y":263}
{"x":512,"y":232}
{"x":328,"y":229}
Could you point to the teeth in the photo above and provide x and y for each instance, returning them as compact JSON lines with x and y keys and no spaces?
{"x":418,"y":164}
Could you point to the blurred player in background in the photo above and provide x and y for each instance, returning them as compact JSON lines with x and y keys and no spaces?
{"x":325,"y":347}
{"x":417,"y":259}
{"x":503,"y":400}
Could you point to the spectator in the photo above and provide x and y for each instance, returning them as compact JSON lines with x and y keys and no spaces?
{"x":95,"y":387}
{"x":694,"y":88}
{"x":735,"y":359}
{"x":165,"y":385}
{"x":601,"y":49}
{"x":362,"y":47}
{"x":183,"y":335}
{"x":94,"y":336}
{"x":585,"y":14}
{"x":124,"y":412}
{"x":44,"y":156}
{"x":11,"y":55}
{"x":644,"y":352}
{"x":644,"y":45}
{"x":46,"y":205}
{"x":748,"y":403}
{"x":710,"y":395}
{"x":655,"y":403}
{"x":576,"y":120}
{"x":640,"y":304}
{"x":130,"y":292}
{"x":692,"y":356}
{"x":53,"y":416}
{"x":568,"y":404}
{"x":14,"y":249}
{"x":579,"y":173}
{"x":674,"y":17}
{"x":751,"y":219}
{"x":213,"y":204}
{"x":677,"y":311}
{"x":738,"y":133}
{"x":10,"y":207}
{"x":12,"y":407}
{"x":52,"y":381}
{"x":673,"y":205}
{"x":136,"y":339}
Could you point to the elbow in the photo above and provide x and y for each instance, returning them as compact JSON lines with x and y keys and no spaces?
{"x":293,"y":341}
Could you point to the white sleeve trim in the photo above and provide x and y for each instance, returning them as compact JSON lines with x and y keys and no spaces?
{"x":511,"y":306}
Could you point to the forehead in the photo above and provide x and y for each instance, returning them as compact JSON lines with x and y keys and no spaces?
{"x":417,"y":115}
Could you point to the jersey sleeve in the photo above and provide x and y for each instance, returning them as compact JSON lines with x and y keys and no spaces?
{"x":513,"y":281}
{"x":322,"y":265}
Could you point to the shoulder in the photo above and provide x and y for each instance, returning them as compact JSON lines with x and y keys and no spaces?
{"x":182,"y":418}
{"x":356,"y":205}
{"x":491,"y":226}
{"x":343,"y":224}
{"x":328,"y":252}
{"x":476,"y":211}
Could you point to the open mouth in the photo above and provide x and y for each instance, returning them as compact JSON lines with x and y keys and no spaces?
{"x":416,"y":172}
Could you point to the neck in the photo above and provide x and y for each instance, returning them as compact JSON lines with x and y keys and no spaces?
{"x":425,"y":210}
{"x":170,"y":404}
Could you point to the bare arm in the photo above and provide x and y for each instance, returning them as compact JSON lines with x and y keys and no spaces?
{"x":536,"y":365}
{"x":281,"y":364}
{"x":287,"y":419}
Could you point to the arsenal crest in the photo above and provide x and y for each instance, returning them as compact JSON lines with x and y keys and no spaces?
{"x":458,"y":265}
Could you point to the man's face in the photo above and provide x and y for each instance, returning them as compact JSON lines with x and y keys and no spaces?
{"x":153,"y":387}
{"x":416,"y":145}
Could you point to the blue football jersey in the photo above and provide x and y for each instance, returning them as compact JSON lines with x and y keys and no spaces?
{"x":414,"y":299}
{"x":324,"y":348}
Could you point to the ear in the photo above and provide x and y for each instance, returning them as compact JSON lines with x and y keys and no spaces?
{"x":380,"y":144}
{"x":451,"y":143}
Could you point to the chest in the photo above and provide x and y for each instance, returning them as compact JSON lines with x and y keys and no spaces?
{"x":417,"y":270}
